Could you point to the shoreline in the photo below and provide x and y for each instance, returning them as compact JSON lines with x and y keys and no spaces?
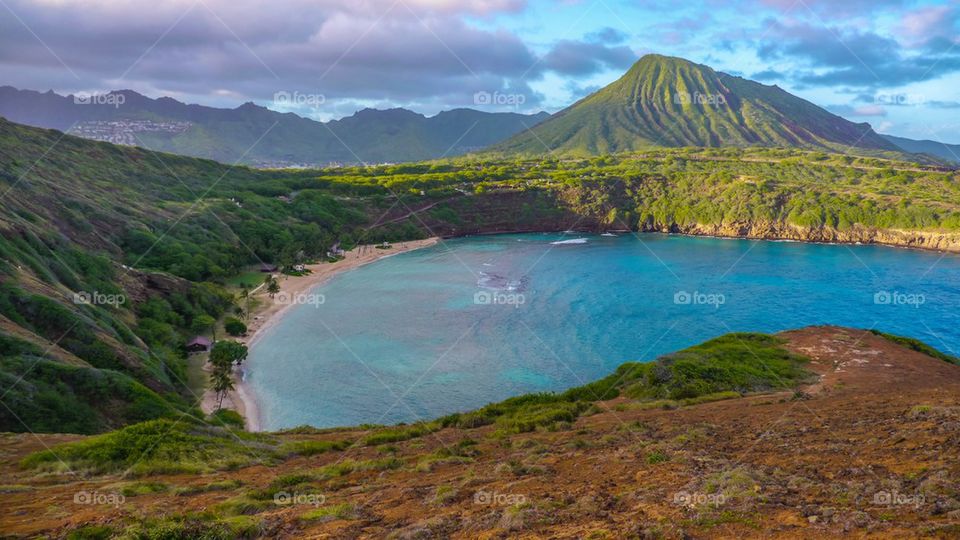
{"x":267,"y":312}
{"x":721,"y":236}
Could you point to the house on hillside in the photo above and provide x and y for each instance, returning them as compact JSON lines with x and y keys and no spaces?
{"x":198,"y":344}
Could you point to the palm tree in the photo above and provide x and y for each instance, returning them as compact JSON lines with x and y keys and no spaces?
{"x":245,"y":295}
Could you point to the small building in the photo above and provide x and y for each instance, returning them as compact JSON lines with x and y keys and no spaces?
{"x":267,"y":267}
{"x":336,"y":251}
{"x":199,"y":344}
{"x":299,"y":268}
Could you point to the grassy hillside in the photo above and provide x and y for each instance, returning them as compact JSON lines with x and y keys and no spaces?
{"x":153,"y":235}
{"x":664,"y":101}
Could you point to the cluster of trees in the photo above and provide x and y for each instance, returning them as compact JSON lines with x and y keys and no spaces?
{"x":223,"y":357}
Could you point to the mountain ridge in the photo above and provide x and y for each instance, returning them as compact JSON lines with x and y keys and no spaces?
{"x":938,"y":149}
{"x":253,"y":134}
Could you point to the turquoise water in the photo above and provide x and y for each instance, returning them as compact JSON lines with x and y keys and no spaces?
{"x":405,"y":338}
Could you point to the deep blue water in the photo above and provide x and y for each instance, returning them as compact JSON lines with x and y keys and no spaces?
{"x":406,"y":339}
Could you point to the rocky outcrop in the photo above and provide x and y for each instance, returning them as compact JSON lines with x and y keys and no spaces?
{"x":932,"y":240}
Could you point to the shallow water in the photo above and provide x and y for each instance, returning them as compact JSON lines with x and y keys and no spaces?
{"x":475,"y":320}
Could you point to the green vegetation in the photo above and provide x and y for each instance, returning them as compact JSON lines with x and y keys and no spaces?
{"x":740,"y":362}
{"x":234,"y":326}
{"x":226,"y":418}
{"x":347,"y":466}
{"x":223,"y":356}
{"x":135,"y":489}
{"x":54,"y":397}
{"x":225,"y":485}
{"x":312,"y":448}
{"x":339,"y":511}
{"x":157,"y":446}
{"x":193,"y":527}
{"x":919,"y":346}
{"x":723,"y":367}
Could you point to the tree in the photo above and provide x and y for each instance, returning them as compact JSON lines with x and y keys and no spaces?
{"x":223,"y":356}
{"x":245,"y":296}
{"x":201,"y":323}
{"x":221,"y":382}
{"x":234,"y":326}
{"x":273,"y":288}
{"x":227,"y":353}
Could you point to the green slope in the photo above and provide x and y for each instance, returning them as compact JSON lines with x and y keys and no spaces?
{"x":664,"y":101}
{"x":159,"y":230}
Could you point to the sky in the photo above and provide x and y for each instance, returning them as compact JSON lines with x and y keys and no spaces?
{"x":892,"y":63}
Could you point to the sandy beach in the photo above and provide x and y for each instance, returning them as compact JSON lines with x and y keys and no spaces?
{"x":266,"y":312}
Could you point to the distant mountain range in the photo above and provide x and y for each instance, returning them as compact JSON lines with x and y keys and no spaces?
{"x":665,"y":101}
{"x":948,"y":152}
{"x":660,"y":101}
{"x":256,"y":135}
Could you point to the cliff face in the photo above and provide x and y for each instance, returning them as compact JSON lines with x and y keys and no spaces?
{"x":932,"y":240}
{"x":584,"y":210}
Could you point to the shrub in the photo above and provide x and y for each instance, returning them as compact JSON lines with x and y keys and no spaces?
{"x":154,"y":446}
{"x":339,"y":511}
{"x":310,"y":448}
{"x":919,"y":346}
{"x":234,"y":326}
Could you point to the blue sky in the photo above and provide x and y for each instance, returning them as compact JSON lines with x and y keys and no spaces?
{"x":893,"y":63}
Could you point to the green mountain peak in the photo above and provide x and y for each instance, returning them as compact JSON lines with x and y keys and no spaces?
{"x":669,"y":101}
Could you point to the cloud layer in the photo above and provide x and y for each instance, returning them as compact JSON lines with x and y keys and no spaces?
{"x":398,"y":51}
